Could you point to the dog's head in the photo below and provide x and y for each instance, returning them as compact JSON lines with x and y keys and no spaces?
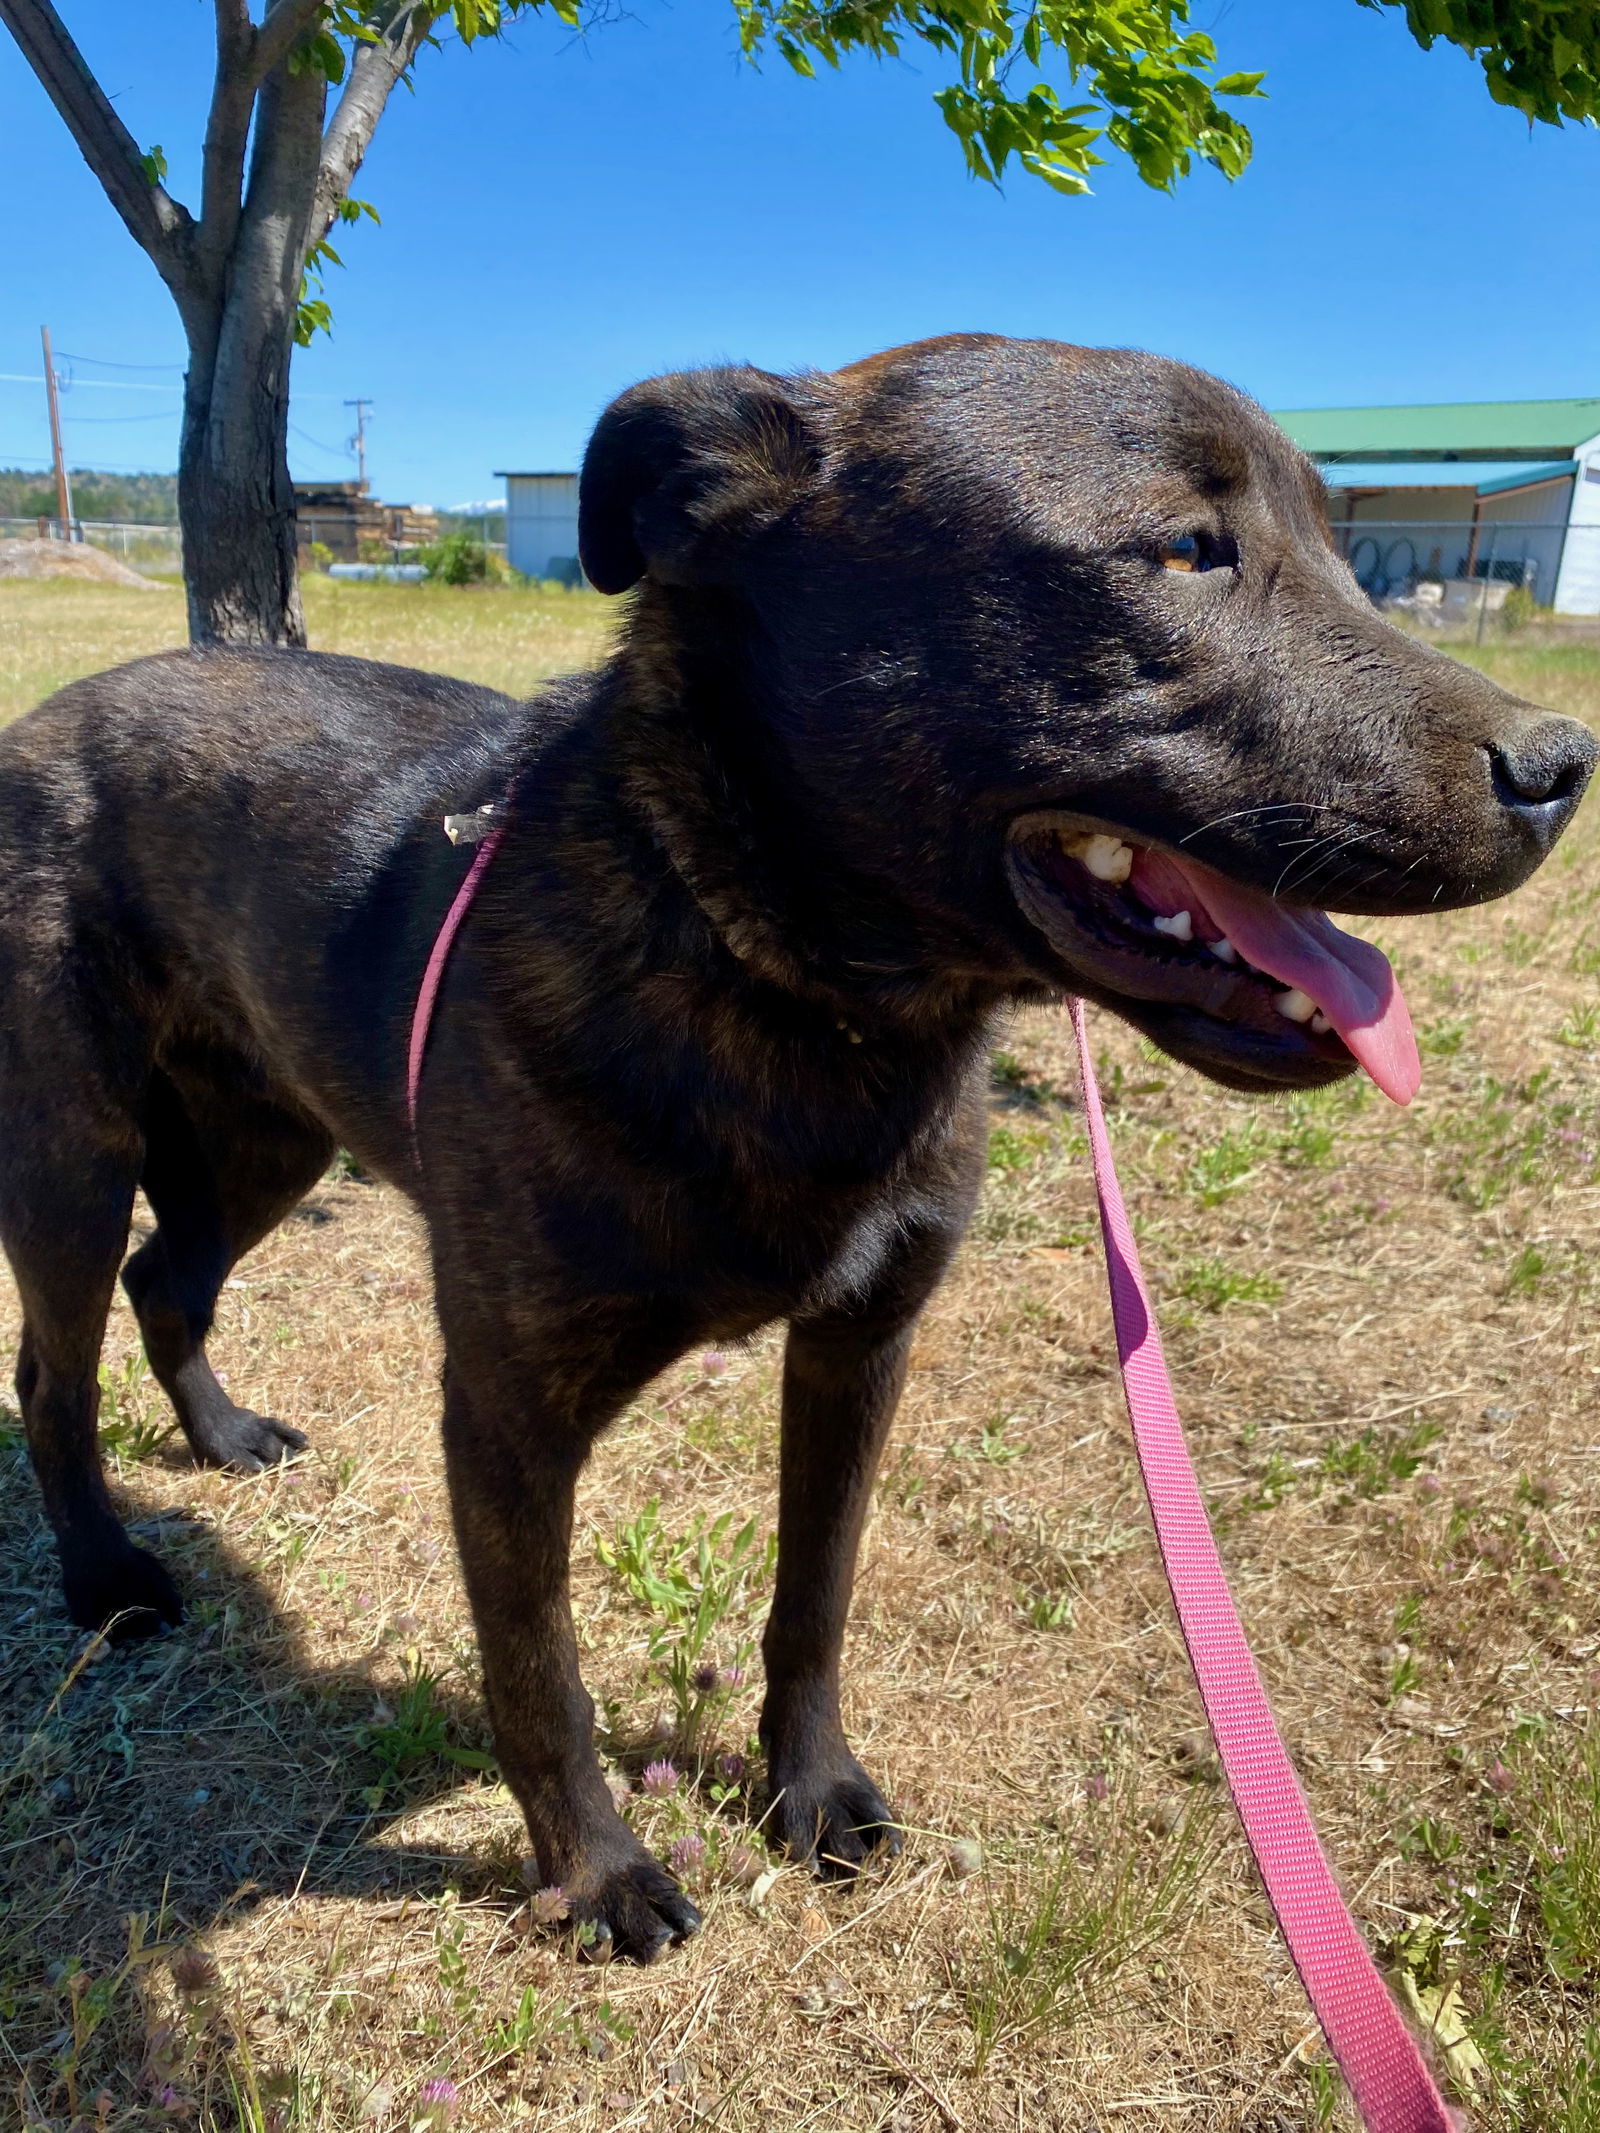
{"x":1048,"y":648}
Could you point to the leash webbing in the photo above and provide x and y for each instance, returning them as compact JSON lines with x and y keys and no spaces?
{"x":1378,"y":2056}
{"x":433,"y":974}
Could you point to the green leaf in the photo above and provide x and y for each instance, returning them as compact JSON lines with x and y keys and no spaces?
{"x":1540,"y":59}
{"x":1239,"y":85}
{"x":154,"y":164}
{"x":312,"y":316}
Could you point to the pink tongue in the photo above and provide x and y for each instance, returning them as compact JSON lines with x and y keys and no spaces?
{"x":1350,"y":980}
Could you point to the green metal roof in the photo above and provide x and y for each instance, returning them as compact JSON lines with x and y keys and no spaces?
{"x":1486,"y":476}
{"x":1469,"y":429}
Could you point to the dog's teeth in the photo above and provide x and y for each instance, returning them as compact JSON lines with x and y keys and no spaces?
{"x":1224,"y":950}
{"x":1320,"y":1023}
{"x":1298,"y":1006}
{"x":1180,"y":927}
{"x":1107,"y":858}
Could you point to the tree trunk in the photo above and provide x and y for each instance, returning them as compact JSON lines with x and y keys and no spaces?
{"x":235,"y":274}
{"x":235,"y":497}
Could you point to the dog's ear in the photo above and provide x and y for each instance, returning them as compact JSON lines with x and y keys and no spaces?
{"x":681,"y":469}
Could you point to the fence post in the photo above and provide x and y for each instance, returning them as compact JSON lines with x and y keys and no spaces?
{"x":1488,"y":571}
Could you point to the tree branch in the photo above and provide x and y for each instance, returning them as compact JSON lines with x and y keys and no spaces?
{"x":374,"y":70}
{"x":158,"y":222}
{"x":233,"y":97}
{"x":285,"y":24}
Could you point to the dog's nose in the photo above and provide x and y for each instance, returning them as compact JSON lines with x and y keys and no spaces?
{"x":1540,"y":774}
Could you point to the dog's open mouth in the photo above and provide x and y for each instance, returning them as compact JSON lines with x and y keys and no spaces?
{"x":1270,"y":978}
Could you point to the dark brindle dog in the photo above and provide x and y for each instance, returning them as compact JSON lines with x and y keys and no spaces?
{"x":948,"y":677}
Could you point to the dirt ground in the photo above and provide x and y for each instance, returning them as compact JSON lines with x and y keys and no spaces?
{"x":261,"y":1875}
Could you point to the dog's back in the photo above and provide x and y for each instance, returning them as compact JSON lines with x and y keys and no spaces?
{"x":166,"y":817}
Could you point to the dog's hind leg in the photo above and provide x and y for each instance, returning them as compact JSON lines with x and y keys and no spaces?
{"x":222,"y":1168}
{"x":67,"y":1196}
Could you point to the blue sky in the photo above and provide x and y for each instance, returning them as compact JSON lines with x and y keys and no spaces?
{"x":563,"y":215}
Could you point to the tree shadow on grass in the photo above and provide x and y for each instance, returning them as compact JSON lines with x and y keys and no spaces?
{"x":193,"y":1776}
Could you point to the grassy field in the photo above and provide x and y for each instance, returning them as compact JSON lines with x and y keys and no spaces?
{"x":258,"y":1878}
{"x":52,"y":631}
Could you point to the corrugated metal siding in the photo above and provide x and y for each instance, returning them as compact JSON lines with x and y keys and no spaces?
{"x":1546,"y":503}
{"x":1578,"y":587}
{"x":542,"y":524}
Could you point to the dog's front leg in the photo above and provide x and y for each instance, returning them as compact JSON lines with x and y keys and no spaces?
{"x":513,"y":1459}
{"x":843,"y":1372}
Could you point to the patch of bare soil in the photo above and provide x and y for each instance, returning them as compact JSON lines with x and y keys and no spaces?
{"x":68,"y":559}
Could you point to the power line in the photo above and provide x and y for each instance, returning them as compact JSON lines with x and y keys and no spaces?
{"x":102,"y":363}
{"x":95,"y":385}
{"x":334,"y":451}
{"x":162,"y":414}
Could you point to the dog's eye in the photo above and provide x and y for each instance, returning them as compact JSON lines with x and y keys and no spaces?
{"x":1197,"y":551}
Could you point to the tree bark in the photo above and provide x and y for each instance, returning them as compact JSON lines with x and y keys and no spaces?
{"x":235,"y":496}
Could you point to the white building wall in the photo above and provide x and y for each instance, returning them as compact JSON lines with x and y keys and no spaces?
{"x":1578,"y":586}
{"x":542,"y":523}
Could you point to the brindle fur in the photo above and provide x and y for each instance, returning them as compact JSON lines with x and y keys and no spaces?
{"x":710,"y":1048}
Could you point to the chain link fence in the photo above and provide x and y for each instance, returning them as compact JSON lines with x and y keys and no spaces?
{"x":1391,"y":558}
{"x":156,"y":550}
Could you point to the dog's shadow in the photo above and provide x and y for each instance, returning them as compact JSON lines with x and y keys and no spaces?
{"x":191,"y":1776}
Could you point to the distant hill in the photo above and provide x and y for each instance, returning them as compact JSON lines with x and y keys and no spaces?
{"x":137,"y":499}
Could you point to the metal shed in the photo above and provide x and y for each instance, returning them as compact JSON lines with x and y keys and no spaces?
{"x":1473,"y":491}
{"x":542,"y":525}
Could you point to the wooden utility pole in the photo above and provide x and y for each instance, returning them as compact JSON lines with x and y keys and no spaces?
{"x":63,"y":486}
{"x":359,"y":440}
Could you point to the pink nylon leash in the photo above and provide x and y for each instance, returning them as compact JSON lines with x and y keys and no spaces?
{"x":1377,"y":2054}
{"x":433,"y":974}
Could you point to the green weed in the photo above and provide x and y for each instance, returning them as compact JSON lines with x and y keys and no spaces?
{"x":694,"y":1585}
{"x":1326,"y":2090}
{"x":1051,"y":1944}
{"x":1116,"y":1085}
{"x":1273,"y":1482}
{"x":1218,"y":1172}
{"x":1443,"y":1039}
{"x":1506,"y":1134}
{"x":992,"y":1443}
{"x":1010,"y":1149}
{"x":1376,"y":1460}
{"x":1581,"y":1029}
{"x":411,"y":1735}
{"x":1212,"y":1284}
{"x":1050,"y":1611}
{"x":131,"y":1425}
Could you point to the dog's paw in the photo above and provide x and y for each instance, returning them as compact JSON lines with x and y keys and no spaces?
{"x":126,"y":1592}
{"x":636,"y":1911}
{"x":833,"y":1820}
{"x":246,"y":1442}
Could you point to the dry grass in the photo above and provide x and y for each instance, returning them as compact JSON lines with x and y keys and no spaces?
{"x":53,"y":631}
{"x":250,"y":1885}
